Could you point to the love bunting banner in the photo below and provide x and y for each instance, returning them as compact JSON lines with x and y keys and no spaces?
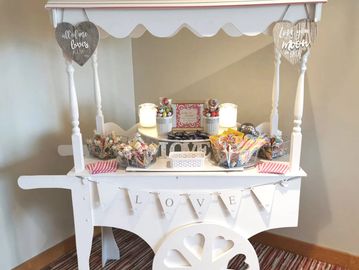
{"x":265,"y":195}
{"x":231,"y":200}
{"x":169,"y":202}
{"x":139,"y":200}
{"x":200,"y":203}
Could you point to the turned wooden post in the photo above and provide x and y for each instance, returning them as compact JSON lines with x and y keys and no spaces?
{"x":296,"y":138}
{"x":274,"y":117}
{"x":77,"y":146}
{"x":100,"y":123}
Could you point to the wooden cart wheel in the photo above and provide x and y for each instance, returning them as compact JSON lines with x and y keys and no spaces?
{"x":203,"y":246}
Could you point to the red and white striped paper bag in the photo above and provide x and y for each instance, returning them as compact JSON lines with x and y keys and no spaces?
{"x":107,"y":166}
{"x":273,"y":167}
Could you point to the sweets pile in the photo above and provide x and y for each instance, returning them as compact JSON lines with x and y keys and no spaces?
{"x":165,"y":108}
{"x":276,"y":147}
{"x":104,"y":146}
{"x":136,"y":153}
{"x":187,"y":135}
{"x":211,"y":108}
{"x":233,"y":148}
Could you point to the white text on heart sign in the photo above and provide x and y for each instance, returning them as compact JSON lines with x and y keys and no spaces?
{"x":291,"y":45}
{"x":76,"y":35}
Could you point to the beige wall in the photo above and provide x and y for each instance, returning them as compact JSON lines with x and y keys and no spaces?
{"x":34,"y":115}
{"x":241,"y":70}
{"x":34,"y":119}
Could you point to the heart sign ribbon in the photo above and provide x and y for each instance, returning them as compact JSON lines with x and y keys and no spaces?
{"x":77,"y":42}
{"x":294,"y":40}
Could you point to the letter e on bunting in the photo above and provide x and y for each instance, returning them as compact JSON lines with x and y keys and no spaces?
{"x":169,"y":202}
{"x":200,"y":203}
{"x":78,"y":42}
{"x":232,"y":201}
{"x":138,"y":199}
{"x":294,"y":40}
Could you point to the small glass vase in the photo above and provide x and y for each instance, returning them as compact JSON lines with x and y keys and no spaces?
{"x":164,"y":125}
{"x":211,"y":125}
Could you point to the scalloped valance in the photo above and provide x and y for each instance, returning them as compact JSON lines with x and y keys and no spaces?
{"x":122,"y":19}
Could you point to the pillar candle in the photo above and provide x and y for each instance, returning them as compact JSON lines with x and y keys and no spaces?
{"x":228,"y":115}
{"x":147,"y":113}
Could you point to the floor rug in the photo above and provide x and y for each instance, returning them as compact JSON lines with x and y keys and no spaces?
{"x":137,"y":255}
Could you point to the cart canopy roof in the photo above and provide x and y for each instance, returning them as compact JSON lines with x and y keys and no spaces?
{"x":164,"y":18}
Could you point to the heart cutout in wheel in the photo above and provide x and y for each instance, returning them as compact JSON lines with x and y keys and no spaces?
{"x":294,"y":40}
{"x":195,"y":244}
{"x":77,"y":42}
{"x":175,"y":259}
{"x":221,"y":246}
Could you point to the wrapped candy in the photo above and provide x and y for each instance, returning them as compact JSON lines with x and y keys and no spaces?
{"x":137,"y":153}
{"x":165,"y":108}
{"x":211,"y":108}
{"x":104,"y":146}
{"x":235,"y":149}
{"x":274,"y":148}
{"x":248,"y":128}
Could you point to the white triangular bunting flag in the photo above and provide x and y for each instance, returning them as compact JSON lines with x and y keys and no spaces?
{"x":106,"y":193}
{"x":265,"y":195}
{"x":169,"y":202}
{"x":231,"y":200}
{"x":200,"y":203}
{"x":138,"y":199}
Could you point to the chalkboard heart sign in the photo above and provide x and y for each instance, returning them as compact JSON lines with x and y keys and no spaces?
{"x":77,"y":42}
{"x":294,"y":40}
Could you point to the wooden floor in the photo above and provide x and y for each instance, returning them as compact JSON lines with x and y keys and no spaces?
{"x":137,"y":255}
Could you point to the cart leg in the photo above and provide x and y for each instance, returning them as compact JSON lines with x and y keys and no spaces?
{"x":84,"y":229}
{"x":110,"y":250}
{"x":83,"y":247}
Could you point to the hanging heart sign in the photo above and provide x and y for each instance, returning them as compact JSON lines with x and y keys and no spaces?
{"x":294,"y":40}
{"x":77,"y":42}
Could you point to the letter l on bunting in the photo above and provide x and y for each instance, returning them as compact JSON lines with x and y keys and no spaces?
{"x":138,"y":199}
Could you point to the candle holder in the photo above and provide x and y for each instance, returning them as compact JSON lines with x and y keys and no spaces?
{"x":147,"y":114}
{"x":228,"y":115}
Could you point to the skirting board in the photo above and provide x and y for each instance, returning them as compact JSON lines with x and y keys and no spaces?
{"x":331,"y":256}
{"x":50,"y":255}
{"x":302,"y":248}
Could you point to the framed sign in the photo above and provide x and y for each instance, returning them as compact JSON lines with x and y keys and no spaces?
{"x":187,"y":115}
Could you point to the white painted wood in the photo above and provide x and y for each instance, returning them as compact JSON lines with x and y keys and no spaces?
{"x":203,"y":22}
{"x":203,"y":246}
{"x":167,"y":3}
{"x":249,"y":220}
{"x":274,"y":118}
{"x":318,"y":12}
{"x":100,"y":122}
{"x":47,"y":181}
{"x":76,"y":134}
{"x":83,"y":219}
{"x":110,"y":250}
{"x":296,"y":138}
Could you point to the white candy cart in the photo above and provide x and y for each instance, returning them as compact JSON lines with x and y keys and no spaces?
{"x":187,"y":240}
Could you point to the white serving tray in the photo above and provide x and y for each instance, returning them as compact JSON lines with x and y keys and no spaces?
{"x":163,"y":165}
